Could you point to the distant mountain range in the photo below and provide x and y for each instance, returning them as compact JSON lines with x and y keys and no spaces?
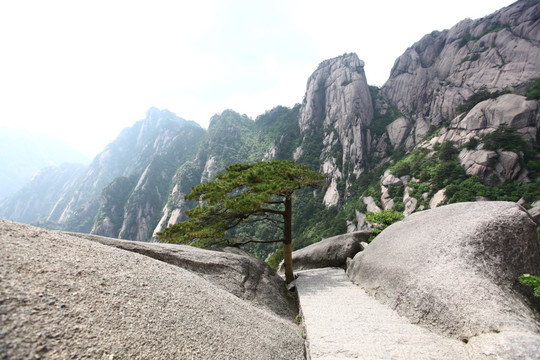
{"x":455,"y":121}
{"x":23,"y":154}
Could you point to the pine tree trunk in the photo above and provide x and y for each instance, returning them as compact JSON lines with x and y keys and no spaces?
{"x":287,"y":241}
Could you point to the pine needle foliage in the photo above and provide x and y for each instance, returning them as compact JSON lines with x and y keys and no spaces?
{"x":257,"y":192}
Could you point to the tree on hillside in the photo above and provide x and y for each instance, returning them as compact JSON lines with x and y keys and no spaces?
{"x":256,"y":192}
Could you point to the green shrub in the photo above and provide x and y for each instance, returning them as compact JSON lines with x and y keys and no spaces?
{"x":398,"y":206}
{"x":382,"y":220}
{"x":465,"y":39}
{"x":401,"y":168}
{"x":472,"y":187}
{"x":534,"y":90}
{"x":475,"y":57}
{"x":479,"y":96}
{"x":446,"y":173}
{"x":534,"y":168}
{"x":274,"y":259}
{"x":447,"y":151}
{"x":531,"y":280}
{"x":505,"y":138}
{"x":470,"y":145}
{"x":396,"y":191}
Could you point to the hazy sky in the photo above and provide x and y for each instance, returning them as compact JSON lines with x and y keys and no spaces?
{"x":84,"y":70}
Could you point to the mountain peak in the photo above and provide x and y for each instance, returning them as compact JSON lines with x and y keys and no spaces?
{"x":155,"y":115}
{"x":348,"y":59}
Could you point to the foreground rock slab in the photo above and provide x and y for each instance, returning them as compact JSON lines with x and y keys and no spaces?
{"x":67,"y":297}
{"x":244,"y":276}
{"x":343,"y":322}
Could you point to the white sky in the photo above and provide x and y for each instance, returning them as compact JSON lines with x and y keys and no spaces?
{"x":84,"y":70}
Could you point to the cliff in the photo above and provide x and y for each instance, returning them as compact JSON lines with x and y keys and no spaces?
{"x":444,"y":69}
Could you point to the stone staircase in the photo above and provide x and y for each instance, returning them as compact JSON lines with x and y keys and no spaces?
{"x":342,"y":321}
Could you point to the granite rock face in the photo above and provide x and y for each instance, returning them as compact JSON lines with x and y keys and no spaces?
{"x":513,"y":111}
{"x":68,"y":297}
{"x":455,"y":269}
{"x":443,"y":69}
{"x":337,"y":106}
{"x":510,"y":110}
{"x":244,"y":276}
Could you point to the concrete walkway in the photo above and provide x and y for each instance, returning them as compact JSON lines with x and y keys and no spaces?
{"x":342,"y":322}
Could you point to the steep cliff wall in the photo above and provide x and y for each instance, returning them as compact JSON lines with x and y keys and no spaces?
{"x":443,"y":69}
{"x":130,"y":207}
{"x":336,"y":109}
{"x":231,"y":138}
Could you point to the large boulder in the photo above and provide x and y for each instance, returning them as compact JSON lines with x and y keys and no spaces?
{"x":455,"y":269}
{"x":331,"y":252}
{"x":68,"y":297}
{"x":244,"y":276}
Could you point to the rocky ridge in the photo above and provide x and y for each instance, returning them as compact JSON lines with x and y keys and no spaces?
{"x":443,"y":69}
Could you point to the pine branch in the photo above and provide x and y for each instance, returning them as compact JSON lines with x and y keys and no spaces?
{"x":271,"y":211}
{"x":276,"y":222}
{"x":238,"y":244}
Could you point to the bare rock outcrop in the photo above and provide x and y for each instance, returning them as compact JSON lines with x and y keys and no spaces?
{"x":398,"y":131}
{"x":68,"y":297}
{"x":371,"y":204}
{"x":336,"y":108}
{"x":445,"y":68}
{"x":511,"y":110}
{"x":480,"y":163}
{"x":455,"y":269}
{"x":244,"y":276}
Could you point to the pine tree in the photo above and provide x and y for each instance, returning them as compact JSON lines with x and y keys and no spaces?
{"x":261,"y":191}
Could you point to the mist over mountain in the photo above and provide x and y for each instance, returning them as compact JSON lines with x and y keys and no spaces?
{"x":23,"y":154}
{"x":457,"y":120}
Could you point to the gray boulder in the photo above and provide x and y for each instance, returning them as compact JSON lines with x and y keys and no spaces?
{"x":238,"y":273}
{"x":331,"y":252}
{"x":398,"y":131}
{"x":455,"y":269}
{"x":391,"y":180}
{"x":370,"y":204}
{"x":68,"y":297}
